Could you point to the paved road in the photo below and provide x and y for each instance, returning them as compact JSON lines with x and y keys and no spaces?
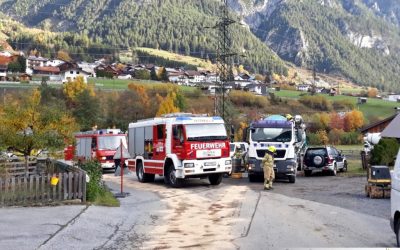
{"x":234,"y":215}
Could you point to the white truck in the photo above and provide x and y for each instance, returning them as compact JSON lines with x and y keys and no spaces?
{"x":395,"y":200}
{"x":289,"y":138}
{"x":179,"y":146}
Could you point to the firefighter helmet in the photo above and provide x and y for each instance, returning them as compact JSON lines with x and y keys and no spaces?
{"x":272,"y":149}
{"x":289,"y":117}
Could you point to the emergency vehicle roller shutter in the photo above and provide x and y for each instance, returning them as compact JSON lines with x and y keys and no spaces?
{"x":131,"y":142}
{"x":139,"y":141}
{"x":148,"y":133}
{"x":88,"y":148}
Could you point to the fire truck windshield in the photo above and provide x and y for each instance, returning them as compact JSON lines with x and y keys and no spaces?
{"x":205,"y":132}
{"x":271,"y":135}
{"x":111,"y":142}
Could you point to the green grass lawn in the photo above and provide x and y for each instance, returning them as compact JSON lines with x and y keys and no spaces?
{"x":376,"y":108}
{"x":350,"y":147}
{"x":117,"y":84}
{"x":354,"y":168}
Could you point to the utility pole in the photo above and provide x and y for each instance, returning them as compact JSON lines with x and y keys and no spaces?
{"x":224,"y":55}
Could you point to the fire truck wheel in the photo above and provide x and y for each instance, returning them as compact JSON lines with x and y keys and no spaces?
{"x":171,"y":177}
{"x":215,"y":179}
{"x":398,"y":233}
{"x":252,"y":178}
{"x":143,"y":177}
{"x":140,"y":172}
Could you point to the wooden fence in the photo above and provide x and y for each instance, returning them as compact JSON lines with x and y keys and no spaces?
{"x":352,"y":154}
{"x":20,"y":168}
{"x":37,"y":189}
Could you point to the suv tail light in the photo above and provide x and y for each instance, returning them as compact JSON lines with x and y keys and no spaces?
{"x":330,"y":160}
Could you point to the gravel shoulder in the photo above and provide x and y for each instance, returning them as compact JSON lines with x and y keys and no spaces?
{"x":344,"y":192}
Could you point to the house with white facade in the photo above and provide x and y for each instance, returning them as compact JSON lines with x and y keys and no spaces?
{"x":242,"y":80}
{"x":53,"y":73}
{"x":54,"y":63}
{"x":35,"y":61}
{"x":179,"y":78}
{"x":392,"y":98}
{"x":72,"y":73}
{"x":303,"y":87}
{"x":257,"y":88}
{"x":195,"y":76}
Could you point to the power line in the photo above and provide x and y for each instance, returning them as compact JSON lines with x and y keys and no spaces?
{"x":224,"y":55}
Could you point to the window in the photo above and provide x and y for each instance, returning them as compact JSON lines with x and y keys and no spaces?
{"x":160,"y":132}
{"x":195,"y":132}
{"x":178,"y":133}
{"x":272,"y":134}
{"x":71,"y":72}
{"x":111,"y":142}
{"x":77,"y":72}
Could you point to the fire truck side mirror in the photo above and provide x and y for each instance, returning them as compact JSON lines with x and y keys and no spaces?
{"x":245,"y":132}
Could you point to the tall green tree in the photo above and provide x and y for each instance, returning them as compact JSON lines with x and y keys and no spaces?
{"x":86,"y":110}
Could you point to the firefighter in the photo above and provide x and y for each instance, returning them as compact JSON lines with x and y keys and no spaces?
{"x":268,"y":166}
{"x":238,"y":154}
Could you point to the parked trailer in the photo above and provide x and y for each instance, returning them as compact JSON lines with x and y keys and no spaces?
{"x":97,"y":145}
{"x":179,"y":146}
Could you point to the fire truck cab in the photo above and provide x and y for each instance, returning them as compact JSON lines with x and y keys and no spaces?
{"x":100,"y":145}
{"x":179,"y":146}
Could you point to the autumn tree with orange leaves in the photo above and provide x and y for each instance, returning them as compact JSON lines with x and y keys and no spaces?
{"x":353,"y":120}
{"x":30,"y":126}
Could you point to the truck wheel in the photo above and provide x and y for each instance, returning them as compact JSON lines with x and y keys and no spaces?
{"x":398,"y":233}
{"x":252,"y":178}
{"x":307,"y":173}
{"x":344,"y":169}
{"x":334,"y":171}
{"x":215,"y":179}
{"x":171,"y":178}
{"x":292,"y":179}
{"x":366,"y":190}
{"x":141,"y":175}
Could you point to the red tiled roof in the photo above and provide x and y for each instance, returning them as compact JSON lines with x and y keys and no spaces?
{"x":47,"y":69}
{"x":5,"y":60}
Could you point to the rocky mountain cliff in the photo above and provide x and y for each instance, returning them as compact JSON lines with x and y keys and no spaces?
{"x":349,"y":37}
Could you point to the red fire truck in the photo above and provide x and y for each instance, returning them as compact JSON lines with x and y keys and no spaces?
{"x":179,"y":146}
{"x":97,"y":144}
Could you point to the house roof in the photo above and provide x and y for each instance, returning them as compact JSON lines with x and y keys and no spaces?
{"x":49,"y":69}
{"x":192,"y":73}
{"x":392,"y":130}
{"x":37,"y":58}
{"x":369,"y":126}
{"x":5,"y":60}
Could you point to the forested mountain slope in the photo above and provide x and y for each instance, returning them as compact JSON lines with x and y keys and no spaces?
{"x":175,"y":25}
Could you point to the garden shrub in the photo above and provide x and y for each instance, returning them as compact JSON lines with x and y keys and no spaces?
{"x":343,"y":105}
{"x":384,"y":153}
{"x":95,"y":186}
{"x":316,"y":102}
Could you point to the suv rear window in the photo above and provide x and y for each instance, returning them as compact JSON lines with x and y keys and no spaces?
{"x":316,"y":151}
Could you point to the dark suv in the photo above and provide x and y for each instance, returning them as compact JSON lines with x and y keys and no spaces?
{"x":324,"y":159}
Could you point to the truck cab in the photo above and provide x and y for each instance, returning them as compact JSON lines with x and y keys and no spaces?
{"x":395,"y":200}
{"x":287,"y":136}
{"x":178,"y":147}
{"x":97,"y":145}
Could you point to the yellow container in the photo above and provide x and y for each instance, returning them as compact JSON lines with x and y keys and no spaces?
{"x":54,"y":181}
